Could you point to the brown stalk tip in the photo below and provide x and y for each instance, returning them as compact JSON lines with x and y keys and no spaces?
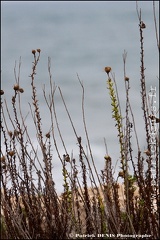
{"x":21,"y":90}
{"x":126,"y":78}
{"x":16,"y":133}
{"x":10,"y":133}
{"x":143,"y":25}
{"x":34,"y":52}
{"x":121,"y":174}
{"x":38,"y":50}
{"x":47,"y":135}
{"x":16,"y":87}
{"x":107,"y":157}
{"x":66,"y":158}
{"x":11,"y":153}
{"x":3,"y":159}
{"x":1,"y":92}
{"x":107,"y":69}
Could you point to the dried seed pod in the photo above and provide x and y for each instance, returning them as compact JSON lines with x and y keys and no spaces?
{"x":126,"y":78}
{"x":11,"y":153}
{"x":3,"y":158}
{"x":16,"y":87}
{"x":121,"y":174}
{"x":38,"y":50}
{"x":10,"y":133}
{"x":48,"y":135}
{"x":33,"y":52}
{"x":67,"y":158}
{"x":107,"y":69}
{"x":107,"y":157}
{"x":1,"y":92}
{"x":16,"y":133}
{"x":21,"y":90}
{"x":143,"y":25}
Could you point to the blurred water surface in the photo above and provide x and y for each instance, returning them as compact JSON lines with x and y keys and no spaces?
{"x":80,"y":38}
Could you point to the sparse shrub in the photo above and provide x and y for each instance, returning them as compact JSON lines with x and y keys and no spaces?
{"x":33,"y":209}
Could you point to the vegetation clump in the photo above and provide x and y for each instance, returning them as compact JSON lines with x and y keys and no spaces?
{"x":99,"y":206}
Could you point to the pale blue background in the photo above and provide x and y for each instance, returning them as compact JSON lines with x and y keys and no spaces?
{"x":80,"y":37}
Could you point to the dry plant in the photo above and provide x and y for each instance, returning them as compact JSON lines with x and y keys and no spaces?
{"x":98,"y":207}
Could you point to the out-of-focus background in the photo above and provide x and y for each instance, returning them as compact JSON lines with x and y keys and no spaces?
{"x":80,"y":38}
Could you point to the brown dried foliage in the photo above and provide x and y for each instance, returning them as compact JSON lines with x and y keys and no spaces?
{"x":98,"y":205}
